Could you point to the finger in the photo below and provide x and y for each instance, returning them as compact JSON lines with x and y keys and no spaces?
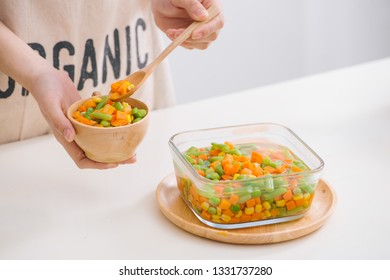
{"x":80,"y":158}
{"x":194,"y":8}
{"x":209,"y":28}
{"x":54,"y":113}
{"x":133,"y":159}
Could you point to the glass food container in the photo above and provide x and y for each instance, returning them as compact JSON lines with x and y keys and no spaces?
{"x":246,"y":175}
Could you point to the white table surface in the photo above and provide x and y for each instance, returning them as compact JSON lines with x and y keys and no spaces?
{"x":49,"y":209}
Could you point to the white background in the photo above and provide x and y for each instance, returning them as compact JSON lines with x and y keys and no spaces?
{"x":268,"y":41}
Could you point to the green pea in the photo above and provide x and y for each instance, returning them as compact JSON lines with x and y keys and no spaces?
{"x":209,"y":171}
{"x":212,"y":210}
{"x":213,"y":176}
{"x":138,"y":113}
{"x":235,"y":208}
{"x":214,"y":200}
{"x":101,"y":116}
{"x":90,"y":110}
{"x":196,"y":166}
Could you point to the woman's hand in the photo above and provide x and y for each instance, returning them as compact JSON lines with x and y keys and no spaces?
{"x":173,"y":16}
{"x":55,"y":92}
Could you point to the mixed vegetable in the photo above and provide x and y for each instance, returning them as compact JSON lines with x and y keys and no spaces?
{"x":101,"y":111}
{"x":246,"y":183}
{"x":120,"y":88}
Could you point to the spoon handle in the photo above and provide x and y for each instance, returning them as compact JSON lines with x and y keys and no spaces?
{"x":213,"y":11}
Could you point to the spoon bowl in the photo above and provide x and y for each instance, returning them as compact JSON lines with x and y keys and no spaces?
{"x":139,"y":77}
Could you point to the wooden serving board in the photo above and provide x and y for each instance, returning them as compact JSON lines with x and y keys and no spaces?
{"x":174,"y":208}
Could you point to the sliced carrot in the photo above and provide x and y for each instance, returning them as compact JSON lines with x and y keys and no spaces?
{"x":288,"y":195}
{"x":203,"y":156}
{"x":82,"y":108}
{"x":290,"y":205}
{"x":224,"y":204}
{"x":246,"y":171}
{"x":90,"y":103}
{"x":215,"y":152}
{"x":295,"y":168}
{"x":234,"y":199}
{"x":256,"y":157}
{"x":251,"y":202}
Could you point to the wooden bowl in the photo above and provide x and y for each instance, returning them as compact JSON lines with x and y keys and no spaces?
{"x":110,"y":144}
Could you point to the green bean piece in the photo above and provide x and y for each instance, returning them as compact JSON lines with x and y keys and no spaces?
{"x":271,"y":195}
{"x":256,"y":192}
{"x":118,"y":106}
{"x":279,"y":182}
{"x":234,"y":151}
{"x":136,"y":120}
{"x":215,"y":158}
{"x":194,"y":151}
{"x":300,"y":165}
{"x":228,"y":190}
{"x":268,"y":162}
{"x":218,"y":168}
{"x":209,"y":171}
{"x":105,"y":123}
{"x":200,"y":161}
{"x":222,"y":147}
{"x":295,"y":210}
{"x":268,"y":183}
{"x":282,"y":211}
{"x":102,"y":103}
{"x":207,"y":194}
{"x":309,"y":188}
{"x":297,"y":190}
{"x":244,"y":198}
{"x":245,"y":190}
{"x":189,"y":159}
{"x":101,"y":116}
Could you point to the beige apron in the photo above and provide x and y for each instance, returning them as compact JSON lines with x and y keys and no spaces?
{"x":95,"y":41}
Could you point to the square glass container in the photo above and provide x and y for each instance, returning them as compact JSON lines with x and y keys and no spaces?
{"x":278,"y":193}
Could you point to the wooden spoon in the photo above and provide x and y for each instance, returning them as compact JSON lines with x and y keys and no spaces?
{"x":139,"y":77}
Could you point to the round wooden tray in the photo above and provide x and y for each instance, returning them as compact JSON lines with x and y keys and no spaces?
{"x":174,"y":208}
